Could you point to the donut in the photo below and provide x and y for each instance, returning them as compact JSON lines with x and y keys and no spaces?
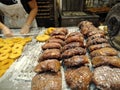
{"x":1,"y":45}
{"x":27,"y":39}
{"x":5,"y":49}
{"x":7,"y":61}
{"x":49,"y":30}
{"x":4,"y":62}
{"x":3,"y":56}
{"x":10,"y":44}
{"x":42,"y":38}
{"x":15,"y":54}
{"x":1,"y":40}
{"x":21,"y":42}
{"x":7,"y":40}
{"x":17,"y":47}
{"x":2,"y":72}
{"x":17,"y":39}
{"x":6,"y":66}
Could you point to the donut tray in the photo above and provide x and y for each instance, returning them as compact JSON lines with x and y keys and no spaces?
{"x":20,"y":74}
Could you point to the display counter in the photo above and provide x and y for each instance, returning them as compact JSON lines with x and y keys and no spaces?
{"x":20,"y":74}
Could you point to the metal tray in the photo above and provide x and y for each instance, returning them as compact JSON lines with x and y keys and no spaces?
{"x":20,"y":74}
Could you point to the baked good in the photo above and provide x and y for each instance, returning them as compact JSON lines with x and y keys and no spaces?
{"x":51,"y":46}
{"x":17,"y":47}
{"x":98,"y":46}
{"x":106,"y":60}
{"x":76,"y":61}
{"x":55,"y":40}
{"x":72,"y":45}
{"x":57,"y":32}
{"x":62,"y":29}
{"x":15,"y":54}
{"x":42,"y":38}
{"x":104,"y":52}
{"x":49,"y":30}
{"x":106,"y":78}
{"x":74,"y":34}
{"x":3,"y":56}
{"x":98,"y":35}
{"x":47,"y":81}
{"x":5,"y":49}
{"x":62,"y":37}
{"x":96,"y":41}
{"x":52,"y":65}
{"x":74,"y":51}
{"x":78,"y":79}
{"x":74,"y":39}
{"x":50,"y":54}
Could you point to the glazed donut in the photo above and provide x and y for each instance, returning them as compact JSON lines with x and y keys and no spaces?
{"x":1,"y":40}
{"x":42,"y":38}
{"x":6,"y":61}
{"x":7,"y":40}
{"x":62,"y":29}
{"x":57,"y":32}
{"x":50,"y":54}
{"x":1,"y":45}
{"x":17,"y":39}
{"x":27,"y":39}
{"x":54,"y":40}
{"x":51,"y":46}
{"x":72,"y":45}
{"x":49,"y":30}
{"x":17,"y":47}
{"x":62,"y":37}
{"x":2,"y":72}
{"x":74,"y":39}
{"x":10,"y":44}
{"x":15,"y":54}
{"x":5,"y":49}
{"x":6,"y":66}
{"x":23,"y":42}
{"x":75,"y":34}
{"x":3,"y":56}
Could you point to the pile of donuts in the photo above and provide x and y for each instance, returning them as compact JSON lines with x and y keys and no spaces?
{"x":104,"y":58}
{"x":10,"y":50}
{"x":44,"y":37}
{"x":75,"y":61}
{"x":48,"y":69}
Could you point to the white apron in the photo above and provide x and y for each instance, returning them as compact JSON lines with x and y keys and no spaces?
{"x":15,"y":15}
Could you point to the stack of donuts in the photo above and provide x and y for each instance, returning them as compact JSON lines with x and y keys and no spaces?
{"x":48,"y":75}
{"x":10,"y":50}
{"x":104,"y":58}
{"x":77,"y":74}
{"x":97,"y":44}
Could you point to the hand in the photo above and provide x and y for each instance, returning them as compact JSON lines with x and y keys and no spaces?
{"x":25,"y":29}
{"x":7,"y":32}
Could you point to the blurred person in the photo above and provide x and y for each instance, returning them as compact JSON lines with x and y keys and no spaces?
{"x":18,"y":14}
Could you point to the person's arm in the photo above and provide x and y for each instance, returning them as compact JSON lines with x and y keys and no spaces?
{"x":1,"y":26}
{"x":34,"y":8}
{"x":6,"y":31}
